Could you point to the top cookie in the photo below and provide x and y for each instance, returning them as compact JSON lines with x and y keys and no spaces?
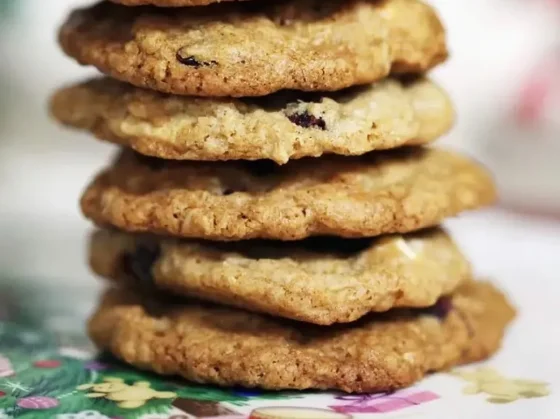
{"x":252,"y":48}
{"x":169,"y":3}
{"x":395,"y":191}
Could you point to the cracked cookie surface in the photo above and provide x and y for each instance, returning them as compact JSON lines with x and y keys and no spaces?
{"x":254,"y":49}
{"x":320,"y":280}
{"x":218,"y":345}
{"x":395,"y":191}
{"x":282,"y":126}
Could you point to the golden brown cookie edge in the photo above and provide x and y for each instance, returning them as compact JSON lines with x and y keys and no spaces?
{"x":117,"y":326}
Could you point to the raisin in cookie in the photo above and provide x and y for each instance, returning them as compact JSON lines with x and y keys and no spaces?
{"x":257,"y":48}
{"x":320,"y":280}
{"x":230,"y":347}
{"x":395,"y":191}
{"x":282,"y":126}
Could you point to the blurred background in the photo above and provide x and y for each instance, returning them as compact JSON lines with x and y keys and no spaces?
{"x":503,"y":77}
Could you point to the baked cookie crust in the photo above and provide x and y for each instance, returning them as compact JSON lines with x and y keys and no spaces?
{"x":229,"y":347}
{"x":322,"y":280}
{"x":396,"y":191}
{"x":279,"y":127}
{"x":256,"y":48}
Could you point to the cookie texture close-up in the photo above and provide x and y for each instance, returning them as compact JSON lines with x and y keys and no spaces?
{"x":395,"y":191}
{"x":279,"y":127}
{"x":256,"y":48}
{"x":320,"y":280}
{"x":218,"y":345}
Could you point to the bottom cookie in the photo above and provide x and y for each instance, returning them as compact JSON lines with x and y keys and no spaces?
{"x":214,"y":344}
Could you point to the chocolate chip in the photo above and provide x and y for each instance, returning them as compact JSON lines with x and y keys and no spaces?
{"x":138,"y":264}
{"x":306,"y":120}
{"x":191,"y":61}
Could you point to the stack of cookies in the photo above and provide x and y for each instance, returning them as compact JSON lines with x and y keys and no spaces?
{"x":272,"y":218}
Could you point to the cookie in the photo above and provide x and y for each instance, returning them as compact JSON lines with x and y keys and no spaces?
{"x":256,"y":48}
{"x":169,"y":3}
{"x":395,"y":191}
{"x":320,"y":280}
{"x":230,"y":347}
{"x":279,"y":127}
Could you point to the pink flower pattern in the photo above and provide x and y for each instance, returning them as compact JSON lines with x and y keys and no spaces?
{"x":384,"y":402}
